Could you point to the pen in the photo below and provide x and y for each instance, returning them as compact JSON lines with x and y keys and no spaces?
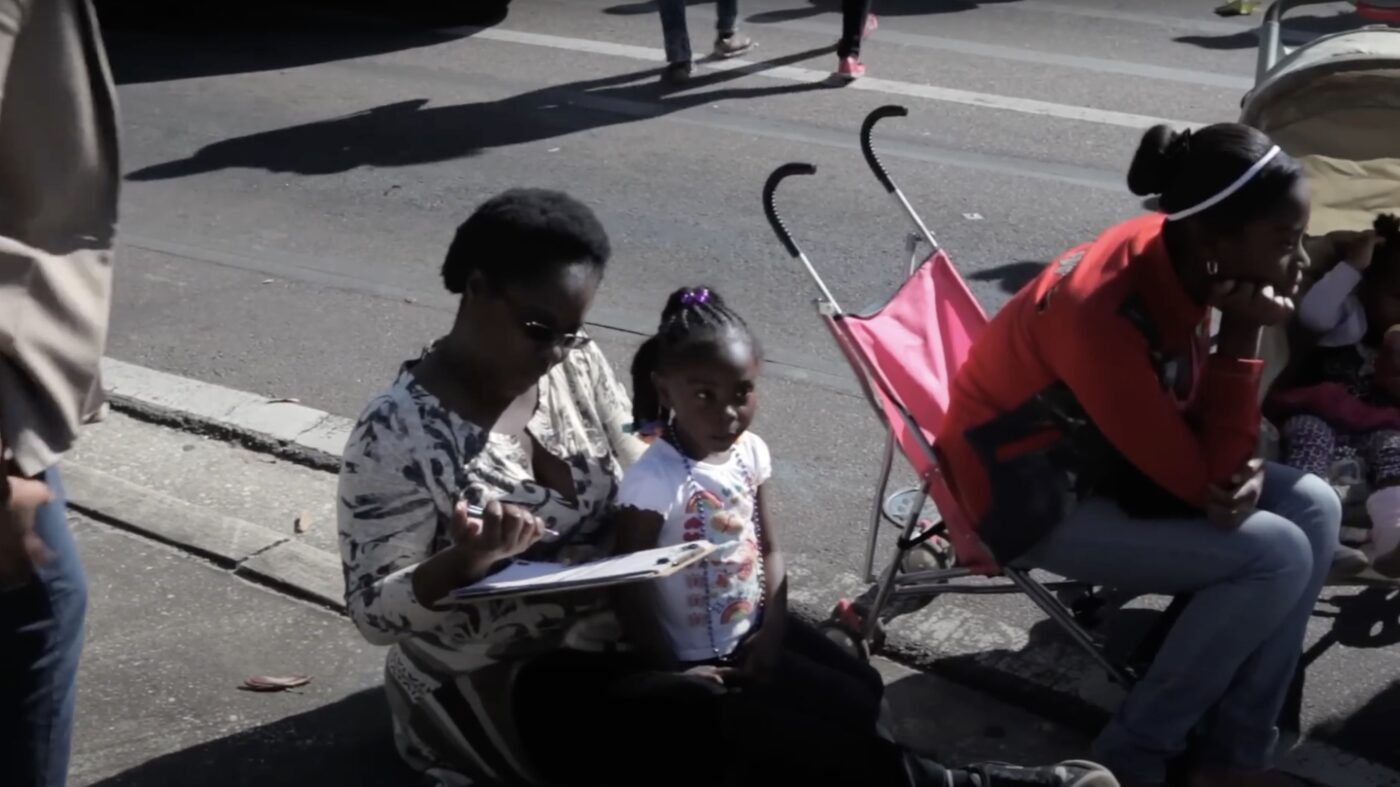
{"x":476,"y":512}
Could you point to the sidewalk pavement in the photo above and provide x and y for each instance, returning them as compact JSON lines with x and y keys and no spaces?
{"x":239,"y":509}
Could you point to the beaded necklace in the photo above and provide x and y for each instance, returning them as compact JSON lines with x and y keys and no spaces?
{"x":705,"y":516}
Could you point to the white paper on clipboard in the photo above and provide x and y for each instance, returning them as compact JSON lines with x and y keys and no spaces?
{"x":523,"y":577}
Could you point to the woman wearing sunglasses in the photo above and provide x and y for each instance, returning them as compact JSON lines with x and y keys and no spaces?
{"x":514,"y":415}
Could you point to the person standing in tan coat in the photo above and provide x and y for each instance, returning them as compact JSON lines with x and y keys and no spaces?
{"x":59,"y":180}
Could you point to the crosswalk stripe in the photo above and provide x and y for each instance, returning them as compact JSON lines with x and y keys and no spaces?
{"x":890,"y":87}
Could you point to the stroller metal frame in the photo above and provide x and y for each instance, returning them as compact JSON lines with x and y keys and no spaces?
{"x":895,"y":581}
{"x":1271,"y":47}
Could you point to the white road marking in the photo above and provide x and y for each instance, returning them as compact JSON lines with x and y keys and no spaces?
{"x":1020,"y":54}
{"x":1213,"y":27}
{"x":1028,"y":106}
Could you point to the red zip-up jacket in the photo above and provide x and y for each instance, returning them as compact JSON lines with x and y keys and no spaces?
{"x":1096,"y":379}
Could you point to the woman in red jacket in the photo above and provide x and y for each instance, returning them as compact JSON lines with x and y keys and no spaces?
{"x":1094,"y":433}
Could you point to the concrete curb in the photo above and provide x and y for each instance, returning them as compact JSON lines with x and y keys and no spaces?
{"x":277,"y":426}
{"x":250,"y":551}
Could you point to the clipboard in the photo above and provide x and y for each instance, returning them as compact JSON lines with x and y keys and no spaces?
{"x":528,"y":578}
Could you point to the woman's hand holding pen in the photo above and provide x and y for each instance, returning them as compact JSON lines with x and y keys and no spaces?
{"x":480,"y":539}
{"x":483,"y":537}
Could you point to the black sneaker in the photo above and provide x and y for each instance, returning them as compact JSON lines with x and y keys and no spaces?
{"x":676,"y":73}
{"x":1070,"y":773}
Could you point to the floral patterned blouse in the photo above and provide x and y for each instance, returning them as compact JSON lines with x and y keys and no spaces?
{"x":408,"y":461}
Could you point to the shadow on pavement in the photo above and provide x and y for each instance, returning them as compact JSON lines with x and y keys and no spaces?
{"x":1012,"y":276}
{"x":1370,"y":730}
{"x":1309,"y":26}
{"x":410,"y":132}
{"x":883,"y":8}
{"x":161,"y":41}
{"x":1367,"y":620}
{"x":347,"y":743}
{"x":645,"y":7}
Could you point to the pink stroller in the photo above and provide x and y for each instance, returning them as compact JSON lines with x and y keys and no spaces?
{"x":904,"y":355}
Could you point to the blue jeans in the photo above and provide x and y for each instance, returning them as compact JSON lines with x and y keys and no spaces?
{"x":41,"y":637}
{"x":677,"y":37}
{"x":1236,"y":645}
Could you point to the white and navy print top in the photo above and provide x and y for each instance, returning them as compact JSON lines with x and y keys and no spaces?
{"x":408,"y":461}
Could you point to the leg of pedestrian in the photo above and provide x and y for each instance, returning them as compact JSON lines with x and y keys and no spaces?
{"x":41,"y":638}
{"x":729,"y":42}
{"x":856,"y":23}
{"x":677,"y":41}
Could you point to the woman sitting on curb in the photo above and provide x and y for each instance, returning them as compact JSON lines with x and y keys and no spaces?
{"x":1093,"y":433}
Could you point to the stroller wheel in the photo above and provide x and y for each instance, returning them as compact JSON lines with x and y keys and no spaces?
{"x":846,"y":639}
{"x":895,"y":510}
{"x":934,"y":554}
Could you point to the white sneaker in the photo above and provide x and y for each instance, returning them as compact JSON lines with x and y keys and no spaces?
{"x":1070,"y":773}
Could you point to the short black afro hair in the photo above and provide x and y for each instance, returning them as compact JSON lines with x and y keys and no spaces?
{"x":519,"y":234}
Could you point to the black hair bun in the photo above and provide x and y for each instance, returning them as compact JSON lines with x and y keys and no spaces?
{"x":1158,"y":155}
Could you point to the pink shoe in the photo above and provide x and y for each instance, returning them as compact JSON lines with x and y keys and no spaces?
{"x":872,"y":23}
{"x":850,"y":68}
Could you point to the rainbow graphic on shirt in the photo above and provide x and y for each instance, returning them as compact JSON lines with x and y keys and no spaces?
{"x":702,"y":500}
{"x":735,"y":611}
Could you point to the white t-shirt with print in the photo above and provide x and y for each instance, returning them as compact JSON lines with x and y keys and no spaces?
{"x":721,"y":596}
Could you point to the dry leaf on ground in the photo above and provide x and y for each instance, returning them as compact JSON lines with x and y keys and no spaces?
{"x":270,"y":683}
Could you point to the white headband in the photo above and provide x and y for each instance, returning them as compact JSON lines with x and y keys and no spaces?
{"x":1229,"y":190}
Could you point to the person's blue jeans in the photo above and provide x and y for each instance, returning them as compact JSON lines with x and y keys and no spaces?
{"x":677,"y":36}
{"x":1237,"y":643}
{"x":41,"y":637}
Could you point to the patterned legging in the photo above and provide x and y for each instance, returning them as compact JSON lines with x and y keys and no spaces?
{"x":1310,"y":444}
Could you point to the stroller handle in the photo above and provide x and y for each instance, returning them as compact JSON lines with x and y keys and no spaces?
{"x":770,"y":205}
{"x":1271,"y":46}
{"x":770,"y":208}
{"x":867,"y":146}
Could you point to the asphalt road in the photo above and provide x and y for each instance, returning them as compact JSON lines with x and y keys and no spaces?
{"x":294,"y":177}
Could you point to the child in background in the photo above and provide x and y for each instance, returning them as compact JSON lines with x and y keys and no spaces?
{"x":1348,"y":407}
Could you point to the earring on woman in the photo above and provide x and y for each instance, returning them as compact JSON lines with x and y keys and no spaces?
{"x":1212,"y":268}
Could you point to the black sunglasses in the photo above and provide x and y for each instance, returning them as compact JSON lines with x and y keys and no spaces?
{"x":543,"y":334}
{"x":540,"y":333}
